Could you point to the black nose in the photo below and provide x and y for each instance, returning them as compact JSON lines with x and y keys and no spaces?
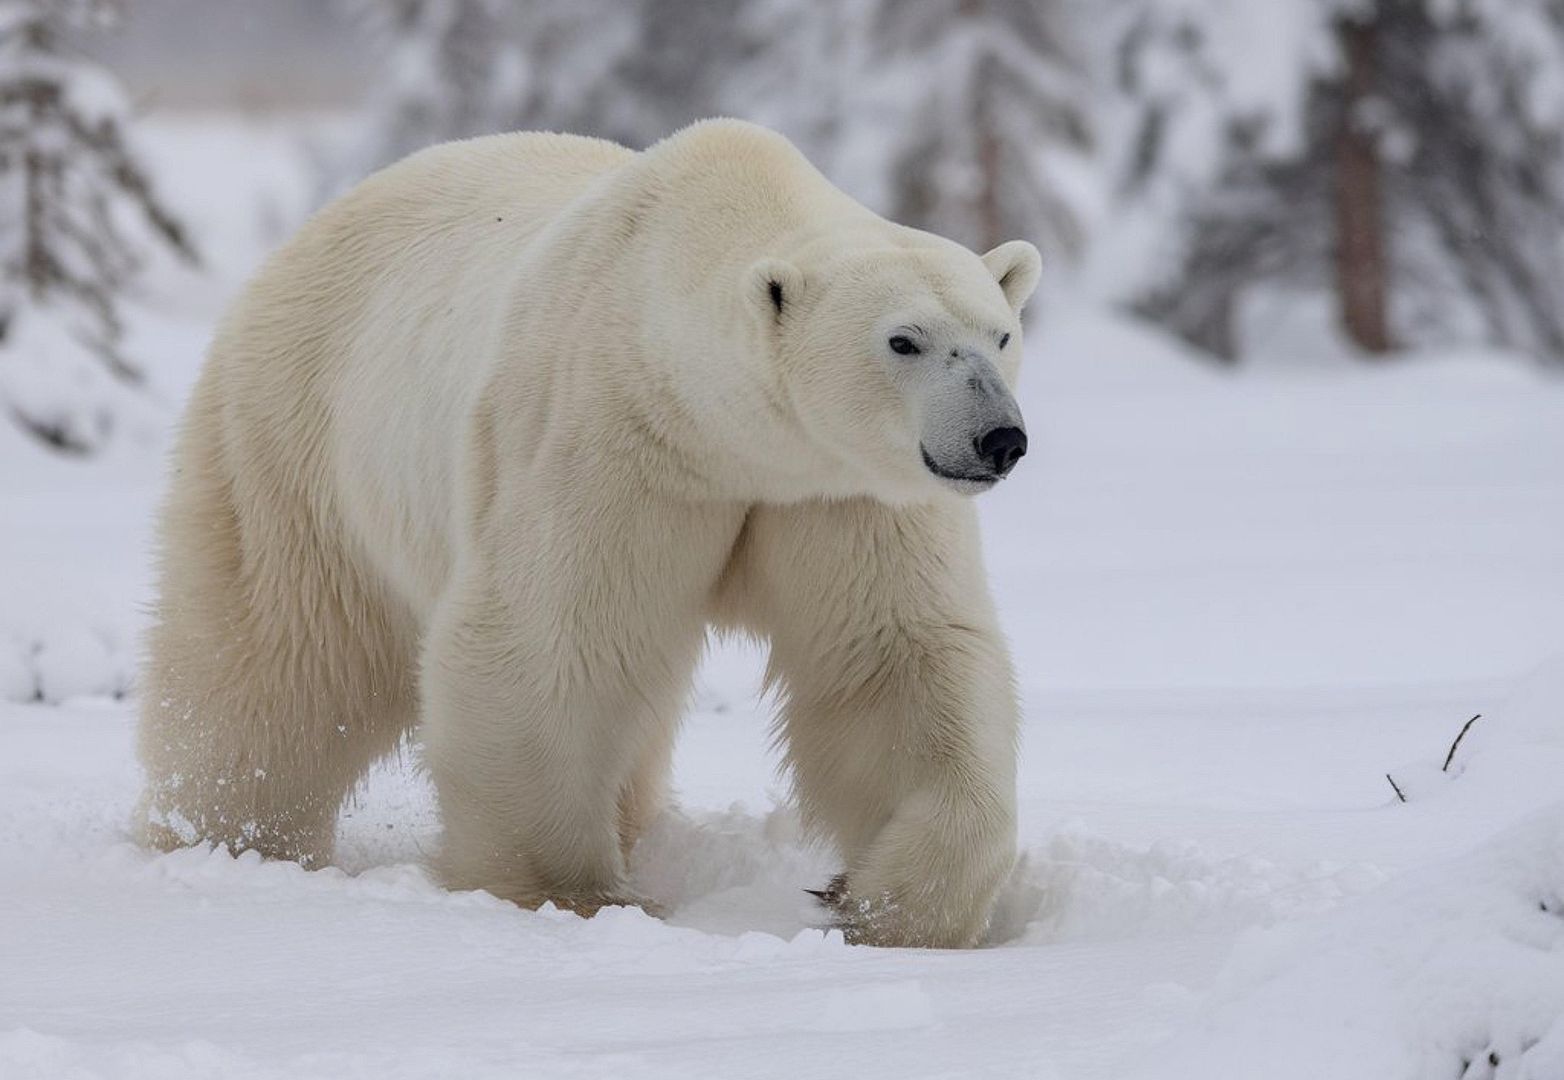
{"x":1002,"y":448}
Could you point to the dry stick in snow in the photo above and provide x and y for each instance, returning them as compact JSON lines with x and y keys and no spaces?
{"x":1464,"y":729}
{"x":1448,"y":757}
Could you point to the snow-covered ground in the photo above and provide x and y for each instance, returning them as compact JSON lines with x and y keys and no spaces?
{"x":1236,"y":605}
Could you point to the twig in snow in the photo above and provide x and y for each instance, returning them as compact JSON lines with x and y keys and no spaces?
{"x":1464,"y":729}
{"x":1394,"y":788}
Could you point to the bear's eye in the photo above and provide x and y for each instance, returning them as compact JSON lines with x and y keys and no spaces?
{"x":1004,"y":340}
{"x":904,"y":345}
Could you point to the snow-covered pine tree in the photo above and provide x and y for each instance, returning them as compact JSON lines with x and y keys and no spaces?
{"x":803,"y":73}
{"x":964,"y":116}
{"x":990,"y":118}
{"x":81,"y":216}
{"x":458,"y":68}
{"x":1475,"y":150}
{"x":678,"y":63}
{"x":1405,"y":157}
{"x":454,"y":69}
{"x":967,"y":117}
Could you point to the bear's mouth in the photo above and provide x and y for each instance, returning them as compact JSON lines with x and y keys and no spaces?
{"x":965,"y":482}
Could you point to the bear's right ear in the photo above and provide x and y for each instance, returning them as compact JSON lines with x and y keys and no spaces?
{"x":771,"y":287}
{"x":1016,"y":266}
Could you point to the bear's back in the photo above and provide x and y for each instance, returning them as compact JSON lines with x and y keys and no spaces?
{"x":387,"y":300}
{"x":528,"y":173}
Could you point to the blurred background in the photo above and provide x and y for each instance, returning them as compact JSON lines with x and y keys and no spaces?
{"x":1293,"y":376}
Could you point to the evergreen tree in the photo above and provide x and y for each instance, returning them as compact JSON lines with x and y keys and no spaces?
{"x":966,"y":117}
{"x":962,"y":116}
{"x":453,"y":71}
{"x":459,"y":68}
{"x":82,"y":214}
{"x":991,"y":114}
{"x":1407,"y":158}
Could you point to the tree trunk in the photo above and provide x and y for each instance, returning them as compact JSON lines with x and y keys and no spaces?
{"x":1361,"y":271}
{"x":986,"y":211}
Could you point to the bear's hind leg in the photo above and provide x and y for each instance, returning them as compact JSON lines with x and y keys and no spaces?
{"x":266,"y":697}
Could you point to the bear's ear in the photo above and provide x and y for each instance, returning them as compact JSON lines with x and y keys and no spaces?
{"x":1016,"y":265}
{"x":771,"y":286}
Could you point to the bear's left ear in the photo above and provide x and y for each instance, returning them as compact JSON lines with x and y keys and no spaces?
{"x":1016,"y":265}
{"x":771,"y":287}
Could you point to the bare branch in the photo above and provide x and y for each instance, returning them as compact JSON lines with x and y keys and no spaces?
{"x":1464,"y":729}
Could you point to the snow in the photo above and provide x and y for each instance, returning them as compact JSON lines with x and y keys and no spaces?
{"x":1456,"y":969}
{"x":1236,"y":604}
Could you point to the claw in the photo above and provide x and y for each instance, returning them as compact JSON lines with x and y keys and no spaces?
{"x":833,"y":893}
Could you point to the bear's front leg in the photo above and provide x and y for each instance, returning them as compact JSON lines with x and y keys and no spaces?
{"x":524,"y":762}
{"x":552,"y":679}
{"x":899,"y":715}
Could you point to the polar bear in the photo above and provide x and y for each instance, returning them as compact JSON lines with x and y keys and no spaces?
{"x":501,"y":434}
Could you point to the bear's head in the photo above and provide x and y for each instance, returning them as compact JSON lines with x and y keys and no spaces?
{"x":900,"y":361}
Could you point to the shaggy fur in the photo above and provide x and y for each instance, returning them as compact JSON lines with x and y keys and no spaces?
{"x":497,"y":438}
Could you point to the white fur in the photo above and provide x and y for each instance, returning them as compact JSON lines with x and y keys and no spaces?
{"x":499,"y":435}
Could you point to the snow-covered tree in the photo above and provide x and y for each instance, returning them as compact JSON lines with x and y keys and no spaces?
{"x":963,"y":116}
{"x":1405,"y":157}
{"x":81,"y":218}
{"x":968,"y":117}
{"x":454,"y":69}
{"x":458,"y":68}
{"x":991,"y":118}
